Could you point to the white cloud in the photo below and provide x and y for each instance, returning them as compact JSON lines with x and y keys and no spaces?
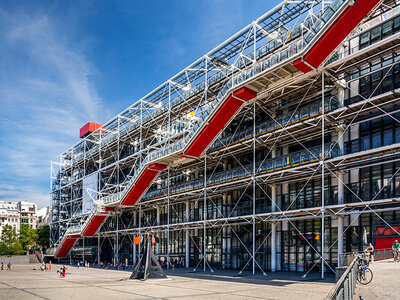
{"x":25,"y":193}
{"x":46,"y":95}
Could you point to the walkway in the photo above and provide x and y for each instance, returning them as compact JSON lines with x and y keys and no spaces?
{"x":385,"y":284}
{"x":25,"y":283}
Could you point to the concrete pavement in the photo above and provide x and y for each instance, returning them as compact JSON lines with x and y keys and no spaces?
{"x":385,"y":283}
{"x":25,"y":283}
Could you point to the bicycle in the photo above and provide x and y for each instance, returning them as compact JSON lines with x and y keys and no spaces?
{"x":364,"y":274}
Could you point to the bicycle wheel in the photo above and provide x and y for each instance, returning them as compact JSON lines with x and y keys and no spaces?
{"x":365,"y":277}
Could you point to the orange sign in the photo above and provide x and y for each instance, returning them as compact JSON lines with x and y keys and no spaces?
{"x":137,"y":240}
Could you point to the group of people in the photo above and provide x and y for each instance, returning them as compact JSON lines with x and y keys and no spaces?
{"x":369,"y":251}
{"x":9,"y":266}
{"x":178,"y":263}
{"x":46,"y":267}
{"x":85,"y":264}
{"x":63,"y":271}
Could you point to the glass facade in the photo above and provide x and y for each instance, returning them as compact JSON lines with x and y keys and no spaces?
{"x":264,"y":175}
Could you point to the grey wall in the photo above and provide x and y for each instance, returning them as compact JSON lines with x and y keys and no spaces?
{"x":19,"y":259}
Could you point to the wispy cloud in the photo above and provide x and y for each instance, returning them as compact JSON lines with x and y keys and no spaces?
{"x":46,"y":94}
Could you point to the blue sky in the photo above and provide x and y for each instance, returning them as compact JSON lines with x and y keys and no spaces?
{"x":64,"y":63}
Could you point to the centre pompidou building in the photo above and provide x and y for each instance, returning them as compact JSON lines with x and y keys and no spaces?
{"x":276,"y":151}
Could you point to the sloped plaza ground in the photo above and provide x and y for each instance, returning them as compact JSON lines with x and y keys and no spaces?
{"x":25,"y":283}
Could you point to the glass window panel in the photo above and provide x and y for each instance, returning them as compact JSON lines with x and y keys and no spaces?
{"x":387,"y":29}
{"x":364,"y":39}
{"x":387,"y":136}
{"x":375,"y":34}
{"x":376,"y":140}
{"x":376,"y":182}
{"x":387,"y":181}
{"x":365,"y":143}
{"x":396,"y":24}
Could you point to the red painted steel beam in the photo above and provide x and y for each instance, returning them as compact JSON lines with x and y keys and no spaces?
{"x":335,"y":34}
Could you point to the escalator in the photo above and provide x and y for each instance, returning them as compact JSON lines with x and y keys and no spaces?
{"x":334,"y":34}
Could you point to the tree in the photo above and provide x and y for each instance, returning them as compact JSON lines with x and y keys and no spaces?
{"x":3,"y":249}
{"x":43,"y":236}
{"x":9,"y":244}
{"x":16,"y":249}
{"x":27,"y":236}
{"x":9,"y":235}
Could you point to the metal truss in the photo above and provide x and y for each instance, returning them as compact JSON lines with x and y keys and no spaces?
{"x":155,"y":122}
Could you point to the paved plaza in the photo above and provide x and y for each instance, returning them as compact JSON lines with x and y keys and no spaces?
{"x":25,"y":283}
{"x":385,"y":284}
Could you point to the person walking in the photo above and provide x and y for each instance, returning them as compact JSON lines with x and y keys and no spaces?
{"x":2,"y":266}
{"x":395,"y":248}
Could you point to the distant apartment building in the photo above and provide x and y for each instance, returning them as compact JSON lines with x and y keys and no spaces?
{"x":17,"y":213}
{"x":9,"y":214}
{"x":28,"y":213}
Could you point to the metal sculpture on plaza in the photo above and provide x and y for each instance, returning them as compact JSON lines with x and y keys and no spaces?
{"x":148,"y":266}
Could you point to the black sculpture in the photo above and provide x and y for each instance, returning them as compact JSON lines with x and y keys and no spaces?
{"x":148,"y":266}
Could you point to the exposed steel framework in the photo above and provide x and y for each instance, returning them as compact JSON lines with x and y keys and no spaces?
{"x":298,"y":49}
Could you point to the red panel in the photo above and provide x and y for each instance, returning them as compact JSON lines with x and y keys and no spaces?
{"x":384,"y":231}
{"x":66,"y":246}
{"x":88,"y":128}
{"x":157,"y":166}
{"x":245,"y":93}
{"x":300,"y":65}
{"x":94,"y":225}
{"x":385,"y":243}
{"x":346,"y":22}
{"x":379,"y":230}
{"x":217,"y":122}
{"x":141,"y":185}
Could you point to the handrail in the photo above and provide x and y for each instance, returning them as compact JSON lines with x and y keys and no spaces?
{"x":340,"y":287}
{"x":379,"y":254}
{"x":284,"y":161}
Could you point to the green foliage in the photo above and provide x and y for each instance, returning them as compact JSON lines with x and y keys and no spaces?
{"x":27,"y":236}
{"x":9,"y":235}
{"x":43,"y":236}
{"x":16,"y":249}
{"x":3,"y":249}
{"x":10,"y":244}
